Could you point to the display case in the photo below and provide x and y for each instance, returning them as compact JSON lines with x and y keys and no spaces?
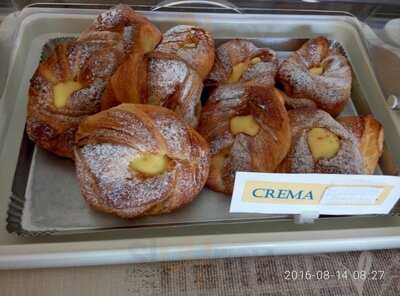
{"x":368,"y":33}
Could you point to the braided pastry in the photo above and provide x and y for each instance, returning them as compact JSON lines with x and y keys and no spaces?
{"x":66,"y":87}
{"x":175,"y":85}
{"x":138,"y":36}
{"x":134,"y":160}
{"x":241,"y":61}
{"x":69,"y":83}
{"x":318,"y":73}
{"x":176,"y":70}
{"x":247,"y":127}
{"x":320,"y":144}
{"x":192,"y":44}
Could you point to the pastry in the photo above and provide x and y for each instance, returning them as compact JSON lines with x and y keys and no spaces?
{"x":247,"y":127}
{"x":134,"y":160}
{"x":66,"y":87}
{"x":172,"y":75}
{"x":173,"y":84}
{"x":317,"y":72}
{"x":320,"y":144}
{"x":293,"y":103}
{"x":192,"y":44}
{"x":240,"y":60}
{"x":69,"y":83}
{"x":176,"y":70}
{"x":137,"y":36}
{"x":369,"y":133}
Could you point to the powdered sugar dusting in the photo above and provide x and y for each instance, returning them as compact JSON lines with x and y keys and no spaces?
{"x":132,"y":129}
{"x":229,"y":92}
{"x":110,"y":18}
{"x":176,"y":69}
{"x":192,"y":44}
{"x":109,"y":164}
{"x":78,"y":54}
{"x":331,"y":89}
{"x":189,"y":104}
{"x":238,"y":51}
{"x":347,"y":161}
{"x":221,"y":142}
{"x":165,"y":76}
{"x":91,"y":59}
{"x":220,"y":107}
{"x":175,"y":135}
{"x":262,"y":73}
{"x":103,"y":168}
{"x":175,"y":31}
{"x":127,"y":36}
{"x":90,"y":63}
{"x":86,"y":100}
{"x":261,"y":152}
{"x":174,"y":85}
{"x":239,"y":159}
{"x":103,"y":64}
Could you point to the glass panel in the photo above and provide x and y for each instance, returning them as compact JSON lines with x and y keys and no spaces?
{"x":374,"y":11}
{"x":6,"y":6}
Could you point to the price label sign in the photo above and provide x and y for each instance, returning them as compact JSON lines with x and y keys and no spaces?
{"x":321,"y":193}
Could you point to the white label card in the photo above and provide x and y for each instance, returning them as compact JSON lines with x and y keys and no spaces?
{"x":321,"y":193}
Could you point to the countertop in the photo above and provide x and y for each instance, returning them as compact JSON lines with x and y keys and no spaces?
{"x":316,"y":275}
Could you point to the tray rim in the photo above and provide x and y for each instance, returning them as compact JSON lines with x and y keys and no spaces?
{"x":50,"y":254}
{"x":194,"y":247}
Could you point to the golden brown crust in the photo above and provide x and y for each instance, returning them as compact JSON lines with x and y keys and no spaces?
{"x":292,"y":103}
{"x":129,"y":82}
{"x":174,"y":85}
{"x":109,"y":140}
{"x":331,"y":90}
{"x":238,"y":51}
{"x":241,"y":152}
{"x":370,"y":135}
{"x":90,"y":61}
{"x":192,"y":44}
{"x":348,"y":159}
{"x":176,"y":69}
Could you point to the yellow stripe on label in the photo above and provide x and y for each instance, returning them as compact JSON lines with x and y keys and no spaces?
{"x":297,"y":193}
{"x":386,"y":191}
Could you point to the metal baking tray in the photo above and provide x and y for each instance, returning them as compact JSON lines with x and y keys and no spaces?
{"x":222,"y":236}
{"x":46,"y":197}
